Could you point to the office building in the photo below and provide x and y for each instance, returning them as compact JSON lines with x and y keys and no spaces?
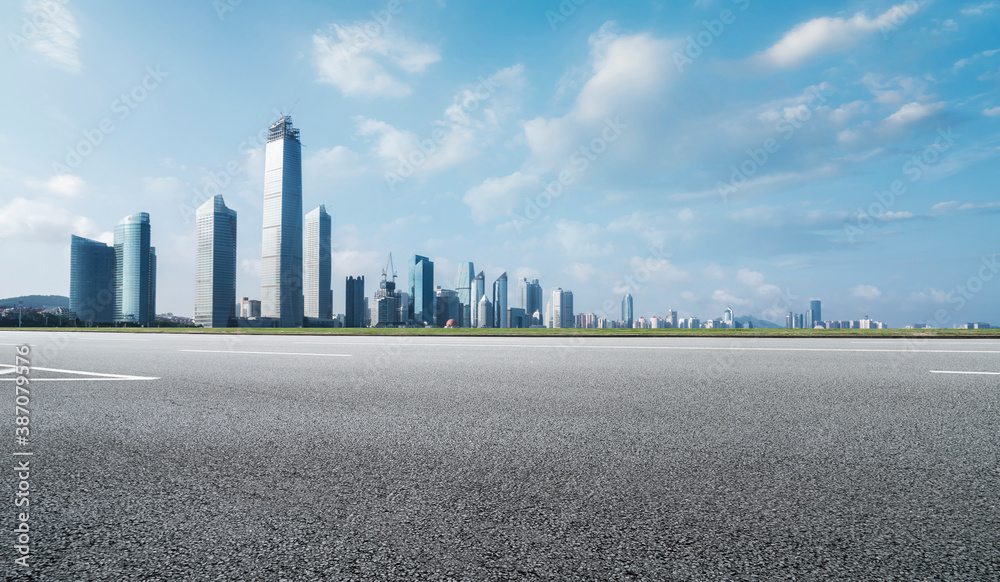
{"x":562,"y":309}
{"x":215,"y":264}
{"x":671,"y":318}
{"x":728,"y":318}
{"x":91,"y":281}
{"x":485,"y":309}
{"x":466,"y":273}
{"x":628,"y":313}
{"x":815,"y":312}
{"x":317,"y":264}
{"x":354,"y":302}
{"x":529,"y":296}
{"x":476,"y":292}
{"x":281,"y":250}
{"x":135,"y":271}
{"x":250,"y":308}
{"x":447,"y":306}
{"x":500,"y":302}
{"x":517,"y":318}
{"x":421,"y":291}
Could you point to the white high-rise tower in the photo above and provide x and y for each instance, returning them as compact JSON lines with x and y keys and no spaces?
{"x":281,"y":255}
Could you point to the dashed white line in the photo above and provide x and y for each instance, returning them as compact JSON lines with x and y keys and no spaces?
{"x":92,"y":376}
{"x":969,"y":373}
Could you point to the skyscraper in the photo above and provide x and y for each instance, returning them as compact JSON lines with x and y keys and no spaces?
{"x":628,"y":313}
{"x":281,"y":250}
{"x":485,"y":309}
{"x":91,"y":280}
{"x":529,"y":296}
{"x":135,"y":271}
{"x":354,"y":302}
{"x":500,"y":302}
{"x":815,"y":312}
{"x":671,"y":318}
{"x":476,"y":292}
{"x":556,"y":317}
{"x":466,"y":272}
{"x":317,"y":270}
{"x":567,"y":310}
{"x":447,"y":306}
{"x":215,"y":264}
{"x":421,"y":291}
{"x":728,"y":318}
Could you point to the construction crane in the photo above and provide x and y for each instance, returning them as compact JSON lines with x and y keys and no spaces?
{"x":389,"y":268}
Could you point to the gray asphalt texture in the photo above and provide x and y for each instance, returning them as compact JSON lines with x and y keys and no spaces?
{"x":509,"y":459}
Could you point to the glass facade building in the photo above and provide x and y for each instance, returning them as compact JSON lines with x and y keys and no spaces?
{"x":135,"y":271}
{"x":281,"y":249}
{"x":628,"y":310}
{"x":354,"y":302}
{"x":815,"y":312}
{"x":318,"y":265}
{"x":421,"y":300}
{"x":500,"y":302}
{"x":92,"y":280}
{"x":466,"y":273}
{"x":476,"y":292}
{"x":215,"y":264}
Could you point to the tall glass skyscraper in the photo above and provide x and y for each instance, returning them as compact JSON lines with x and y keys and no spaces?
{"x":628,"y":310}
{"x":92,"y":280}
{"x":135,"y":271}
{"x":815,"y":312}
{"x":476,"y":292}
{"x":562,"y":309}
{"x":421,"y":291}
{"x":281,"y":250}
{"x":466,"y":272}
{"x":317,"y":265}
{"x":354,"y":302}
{"x":500,"y":302}
{"x":215,"y":264}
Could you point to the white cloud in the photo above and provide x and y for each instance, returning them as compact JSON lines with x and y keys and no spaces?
{"x":45,"y":222}
{"x":629,"y":74}
{"x":978,"y":9}
{"x":686,"y":215}
{"x":579,"y":240}
{"x":63,"y":185}
{"x":750,"y":278}
{"x":962,"y":63}
{"x":334,"y":163}
{"x":57,"y":34}
{"x":581,"y":272}
{"x":359,"y":64}
{"x":992,"y":112}
{"x":912,"y":112}
{"x":895,"y":215}
{"x":714,"y":271}
{"x":726,"y":298}
{"x":869,"y":292}
{"x":829,"y":34}
{"x":498,"y":197}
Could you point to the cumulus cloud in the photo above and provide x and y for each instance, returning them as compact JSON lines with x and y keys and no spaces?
{"x":364,"y":65}
{"x":979,"y":9}
{"x":63,"y":185}
{"x":714,"y":271}
{"x":498,"y":197}
{"x":869,"y":292}
{"x":828,"y":35}
{"x":750,"y":278}
{"x":992,"y":112}
{"x":44,"y":222}
{"x":913,"y":112}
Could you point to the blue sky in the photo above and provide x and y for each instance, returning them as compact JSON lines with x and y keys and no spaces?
{"x":698,"y":154}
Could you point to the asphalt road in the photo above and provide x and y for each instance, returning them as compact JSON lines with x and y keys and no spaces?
{"x":338,"y":458}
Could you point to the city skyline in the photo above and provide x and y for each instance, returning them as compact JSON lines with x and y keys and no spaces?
{"x":852,"y":168}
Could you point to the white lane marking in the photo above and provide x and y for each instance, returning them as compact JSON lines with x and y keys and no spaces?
{"x":971,"y":373}
{"x":92,"y":375}
{"x":608,"y":347}
{"x":268,"y":353}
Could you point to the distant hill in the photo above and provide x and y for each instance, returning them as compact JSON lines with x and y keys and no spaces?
{"x":759,"y":323}
{"x":37,"y":301}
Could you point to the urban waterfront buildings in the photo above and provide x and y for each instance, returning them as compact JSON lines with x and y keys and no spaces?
{"x":250,"y":308}
{"x":421,"y":291}
{"x":215,"y":264}
{"x":281,"y":249}
{"x":92,"y":281}
{"x":135,"y":272}
{"x":317,"y":265}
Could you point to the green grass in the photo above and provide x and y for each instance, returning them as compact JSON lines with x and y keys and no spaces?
{"x":843,"y":333}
